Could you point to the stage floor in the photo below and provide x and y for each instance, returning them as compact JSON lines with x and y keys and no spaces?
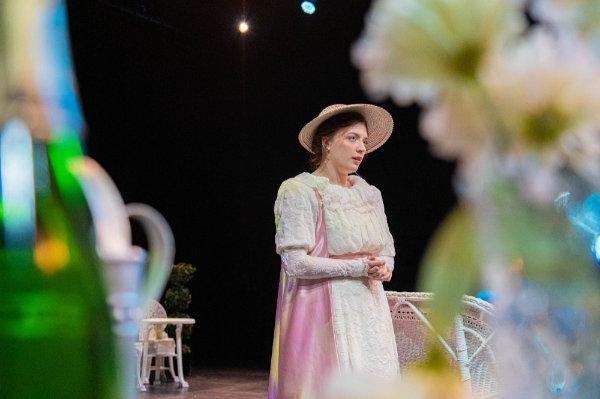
{"x":214,"y":384}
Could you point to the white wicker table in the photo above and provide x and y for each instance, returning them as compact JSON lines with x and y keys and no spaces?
{"x":178,"y":322}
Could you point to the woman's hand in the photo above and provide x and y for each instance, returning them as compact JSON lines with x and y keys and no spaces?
{"x":378,"y":270}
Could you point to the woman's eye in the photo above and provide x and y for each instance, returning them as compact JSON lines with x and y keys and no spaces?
{"x":352,"y":138}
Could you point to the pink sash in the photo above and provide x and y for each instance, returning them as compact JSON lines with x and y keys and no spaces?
{"x":304,"y":351}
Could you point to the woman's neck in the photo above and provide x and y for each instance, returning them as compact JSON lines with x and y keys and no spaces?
{"x":335,"y":177}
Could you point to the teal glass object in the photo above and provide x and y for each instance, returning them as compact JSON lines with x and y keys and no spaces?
{"x":54,"y":76}
{"x":584,"y":217}
{"x":18,"y":200}
{"x":556,"y":380}
{"x":487,"y":295}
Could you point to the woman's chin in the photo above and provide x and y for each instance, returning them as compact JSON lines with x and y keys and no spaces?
{"x":348,"y":169}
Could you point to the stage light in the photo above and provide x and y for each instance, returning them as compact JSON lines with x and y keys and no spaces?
{"x":309,"y":7}
{"x":244,"y":27}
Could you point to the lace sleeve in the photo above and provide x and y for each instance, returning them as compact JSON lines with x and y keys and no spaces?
{"x":296,"y":211}
{"x":388,"y":252}
{"x":297,"y":263}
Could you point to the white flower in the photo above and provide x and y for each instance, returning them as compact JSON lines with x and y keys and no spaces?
{"x":486,"y":85}
{"x":544,"y":89}
{"x":545,"y":97}
{"x":455,"y":125}
{"x":413,"y":49}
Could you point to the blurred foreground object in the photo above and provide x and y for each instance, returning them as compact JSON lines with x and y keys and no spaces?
{"x":129,"y":289}
{"x":517,"y":107}
{"x":53,"y":313}
{"x":62,"y":257}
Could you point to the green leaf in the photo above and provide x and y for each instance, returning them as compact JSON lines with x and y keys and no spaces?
{"x":451,"y":266}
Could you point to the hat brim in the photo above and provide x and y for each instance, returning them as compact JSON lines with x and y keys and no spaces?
{"x":379,"y":125}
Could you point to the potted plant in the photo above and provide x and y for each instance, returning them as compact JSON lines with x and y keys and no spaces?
{"x":177,"y":300}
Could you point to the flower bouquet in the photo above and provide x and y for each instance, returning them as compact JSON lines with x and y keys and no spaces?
{"x":510,"y":90}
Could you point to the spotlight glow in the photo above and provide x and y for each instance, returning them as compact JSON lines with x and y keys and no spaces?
{"x":308,"y":7}
{"x":244,"y":27}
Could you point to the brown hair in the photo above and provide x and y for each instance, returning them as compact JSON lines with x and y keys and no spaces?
{"x":328,"y":128}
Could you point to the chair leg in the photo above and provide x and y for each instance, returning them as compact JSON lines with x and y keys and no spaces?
{"x":462,"y":354}
{"x":182,"y":381}
{"x":148,"y":369}
{"x":138,"y":372}
{"x":158,"y":366}
{"x":172,"y":369}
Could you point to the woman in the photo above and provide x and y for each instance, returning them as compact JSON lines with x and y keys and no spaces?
{"x":336,"y":249}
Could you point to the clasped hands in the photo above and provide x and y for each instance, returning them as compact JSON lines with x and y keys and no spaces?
{"x":378,"y":270}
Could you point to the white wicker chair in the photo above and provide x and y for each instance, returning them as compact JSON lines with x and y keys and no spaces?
{"x":467,"y":345}
{"x":160,"y":346}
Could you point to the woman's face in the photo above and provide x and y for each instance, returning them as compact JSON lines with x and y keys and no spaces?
{"x":347,"y":148}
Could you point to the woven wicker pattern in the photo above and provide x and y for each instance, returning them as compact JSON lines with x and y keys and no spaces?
{"x":155,"y":310}
{"x":410,"y":332}
{"x":482,"y":363}
{"x":467,"y":344}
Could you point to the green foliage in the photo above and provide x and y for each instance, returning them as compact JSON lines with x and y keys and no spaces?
{"x":552,"y":253}
{"x":181,"y":274}
{"x":534,"y":241}
{"x":177,"y":299}
{"x":450,"y":267}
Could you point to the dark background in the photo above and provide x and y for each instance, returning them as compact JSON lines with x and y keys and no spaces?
{"x":200,"y":122}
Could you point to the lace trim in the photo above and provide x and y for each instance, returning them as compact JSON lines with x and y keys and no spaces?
{"x":361,"y":197}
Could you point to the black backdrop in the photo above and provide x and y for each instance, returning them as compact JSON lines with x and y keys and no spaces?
{"x":196,"y":120}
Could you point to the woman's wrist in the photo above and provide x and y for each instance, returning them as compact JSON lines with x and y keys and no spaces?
{"x":364,"y":267}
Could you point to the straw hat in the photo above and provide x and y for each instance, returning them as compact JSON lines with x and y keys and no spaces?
{"x":379,"y":124}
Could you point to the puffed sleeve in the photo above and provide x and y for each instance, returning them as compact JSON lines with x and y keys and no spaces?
{"x":296,"y":211}
{"x":388,"y":252}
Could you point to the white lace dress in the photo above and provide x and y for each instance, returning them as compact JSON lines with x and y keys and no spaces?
{"x":355,"y":223}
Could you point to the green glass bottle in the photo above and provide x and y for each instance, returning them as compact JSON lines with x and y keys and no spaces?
{"x":54,"y":321}
{"x":55,"y":328}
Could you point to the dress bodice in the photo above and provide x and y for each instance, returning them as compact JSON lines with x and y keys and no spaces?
{"x":354,"y":216}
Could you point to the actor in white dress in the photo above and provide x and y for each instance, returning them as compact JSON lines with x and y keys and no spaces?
{"x":336,"y":250}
